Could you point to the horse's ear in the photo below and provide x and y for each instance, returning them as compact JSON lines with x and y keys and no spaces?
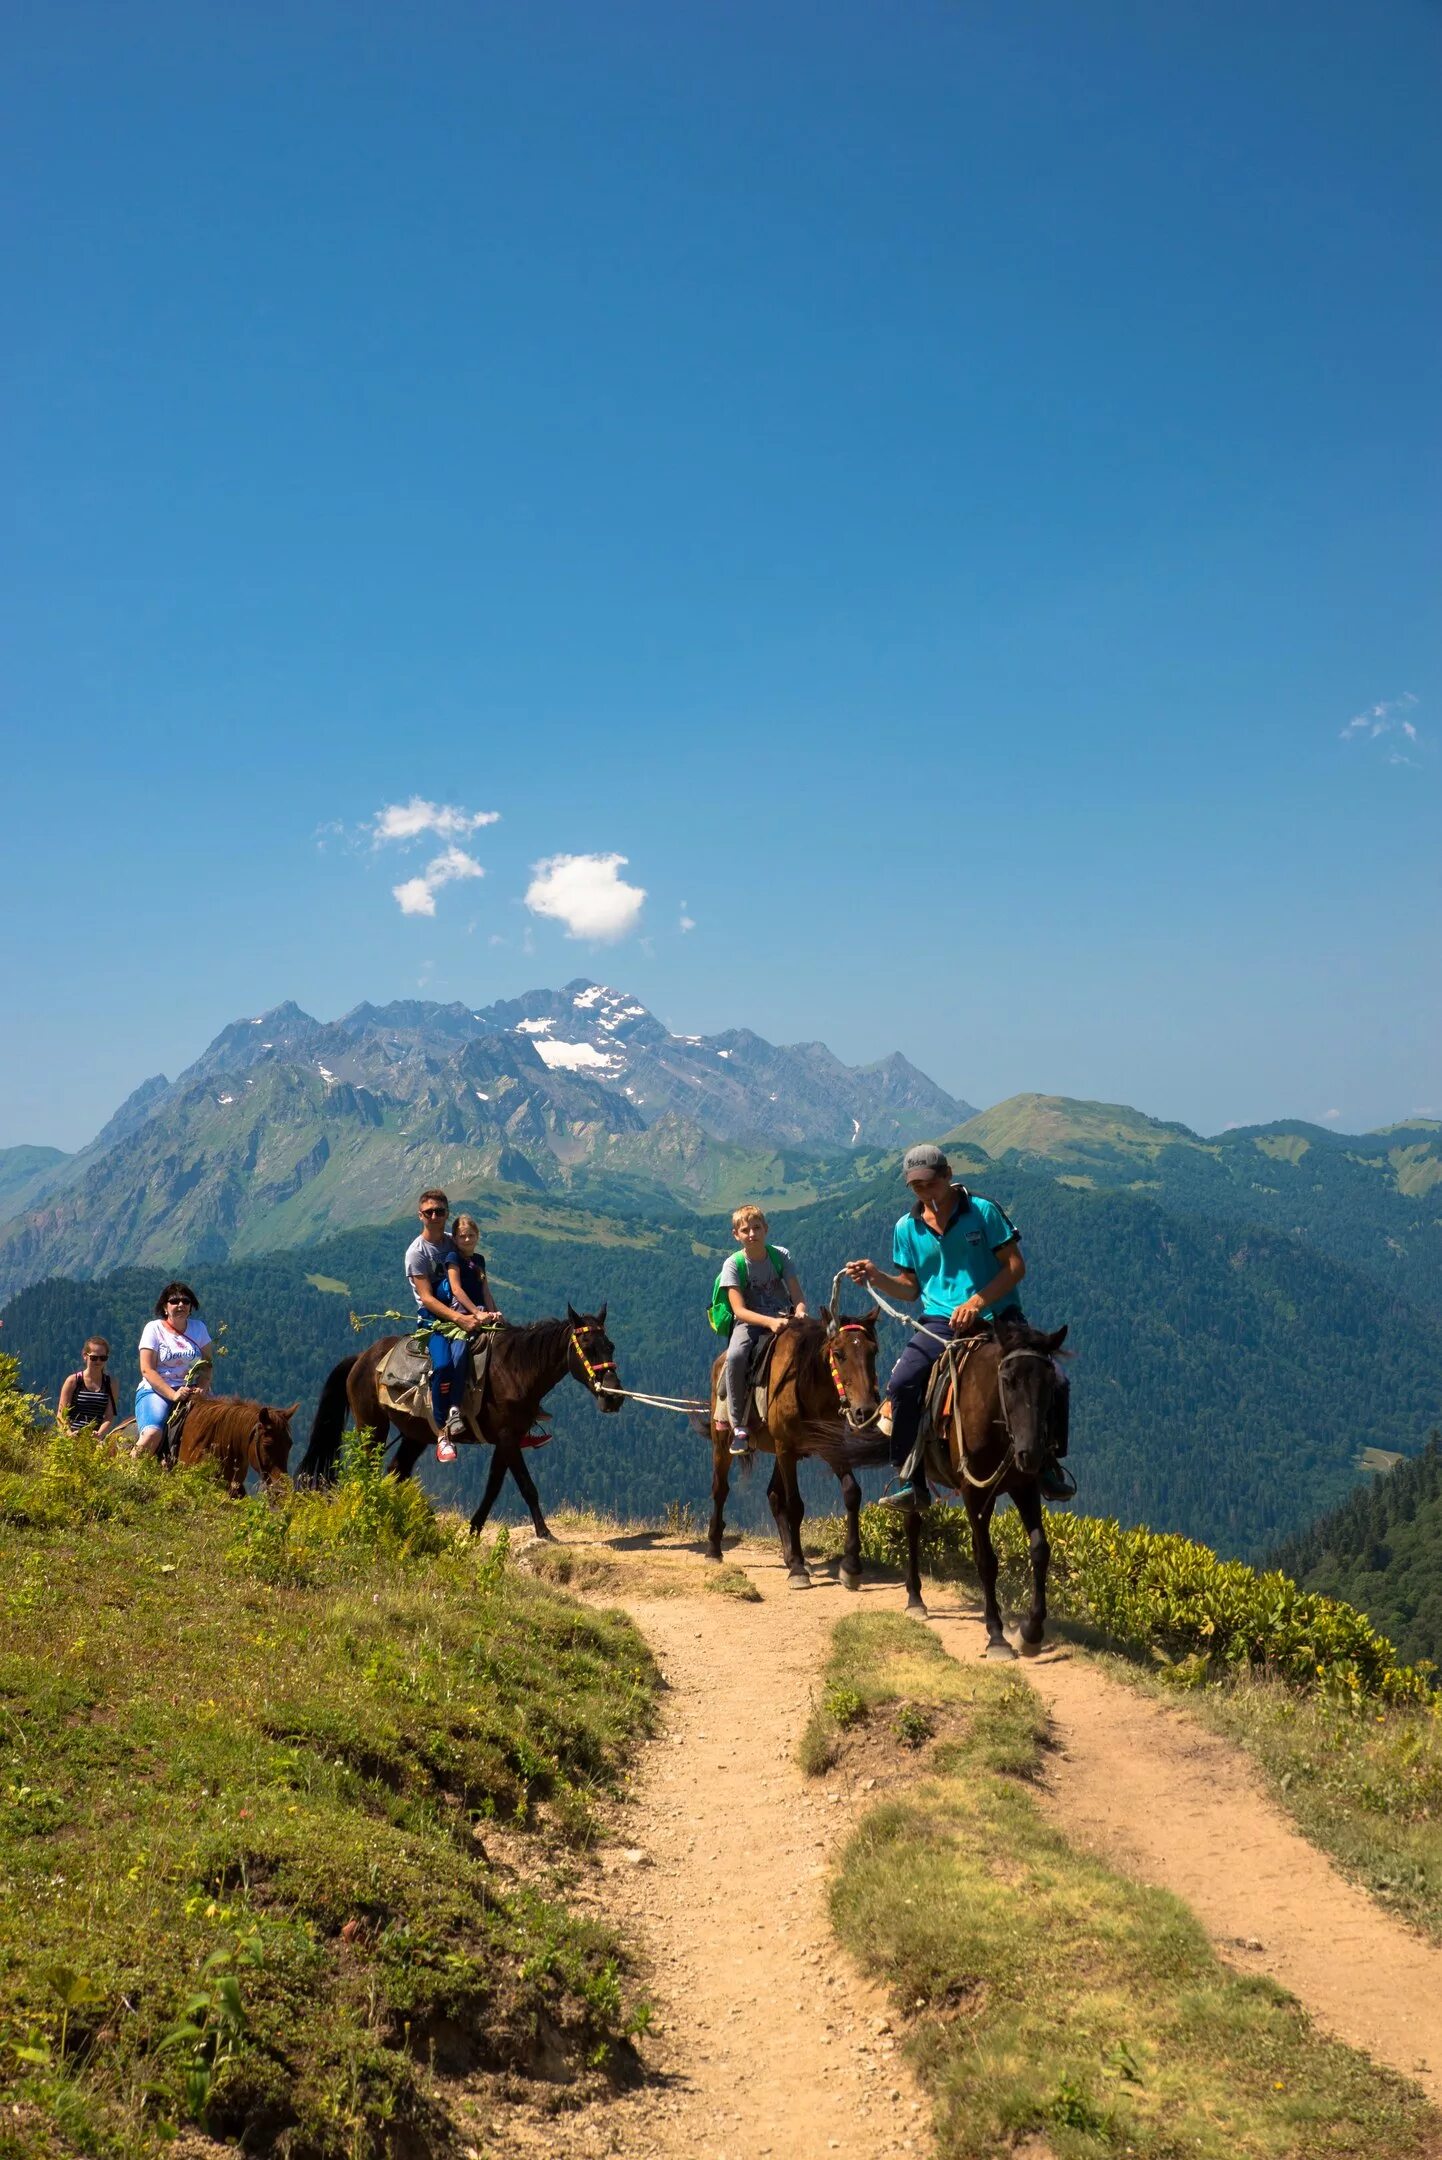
{"x":571,"y":1313}
{"x":287,"y":1415}
{"x":601,"y":1317}
{"x":1054,"y":1342}
{"x":869,"y":1320}
{"x":825,"y":1314}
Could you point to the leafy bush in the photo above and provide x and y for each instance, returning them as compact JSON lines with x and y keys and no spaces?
{"x":1152,"y":1590}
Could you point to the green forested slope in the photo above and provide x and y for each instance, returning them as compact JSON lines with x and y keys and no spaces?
{"x":1382,"y":1551}
{"x":1225,"y":1378}
{"x":1370,"y":1200}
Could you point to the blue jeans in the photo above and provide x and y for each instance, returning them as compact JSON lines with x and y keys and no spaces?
{"x":448,"y":1373}
{"x":908,"y":1383}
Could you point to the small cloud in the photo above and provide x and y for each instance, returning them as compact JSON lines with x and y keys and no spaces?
{"x":417,"y":895}
{"x":688,"y":922}
{"x":495,"y":938}
{"x":1386,"y":717}
{"x":585,"y":893}
{"x":408,"y":821}
{"x":1330,"y":1117}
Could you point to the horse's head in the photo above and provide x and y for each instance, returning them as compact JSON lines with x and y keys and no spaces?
{"x":1026,"y":1379}
{"x":592,"y":1357}
{"x":851,"y":1354}
{"x":270,"y":1442}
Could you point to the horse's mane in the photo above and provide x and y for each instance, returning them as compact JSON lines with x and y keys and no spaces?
{"x":225,"y":1418}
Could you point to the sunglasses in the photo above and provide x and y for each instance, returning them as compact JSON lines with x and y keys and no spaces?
{"x":180,"y":1304}
{"x":429,"y":1211}
{"x":98,"y":1357}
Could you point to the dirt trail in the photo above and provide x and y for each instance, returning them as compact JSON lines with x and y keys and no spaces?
{"x":1147,"y":1787}
{"x":767,"y":2040}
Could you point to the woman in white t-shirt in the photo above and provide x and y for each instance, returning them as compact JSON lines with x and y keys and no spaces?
{"x":170,"y":1346}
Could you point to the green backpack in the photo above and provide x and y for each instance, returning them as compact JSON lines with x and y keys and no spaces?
{"x":720,"y":1314}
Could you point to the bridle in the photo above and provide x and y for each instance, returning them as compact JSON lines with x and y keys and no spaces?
{"x":593,"y":1371}
{"x":1008,"y":1360}
{"x":856,"y":1420}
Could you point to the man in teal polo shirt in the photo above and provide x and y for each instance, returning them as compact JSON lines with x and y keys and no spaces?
{"x":961,"y":1255}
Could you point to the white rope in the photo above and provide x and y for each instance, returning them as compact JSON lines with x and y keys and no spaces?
{"x":683,"y":1405}
{"x":909,"y":1320}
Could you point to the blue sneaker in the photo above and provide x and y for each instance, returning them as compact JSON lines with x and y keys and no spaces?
{"x":910,"y":1494}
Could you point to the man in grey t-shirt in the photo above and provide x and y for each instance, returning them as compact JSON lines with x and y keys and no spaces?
{"x":762,"y":1297}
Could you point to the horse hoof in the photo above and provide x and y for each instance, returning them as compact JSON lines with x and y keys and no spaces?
{"x":716,"y":1556}
{"x":999,"y":1650}
{"x":850,"y":1581}
{"x":799,"y":1580}
{"x":1030,"y":1649}
{"x":916,"y":1605}
{"x":546,"y":1537}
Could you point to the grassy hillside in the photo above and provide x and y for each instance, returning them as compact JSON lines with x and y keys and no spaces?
{"x":23,"y":1171}
{"x":289,"y":1796}
{"x":1382,"y":1551}
{"x":1225,"y":1378}
{"x":1371,"y":1200}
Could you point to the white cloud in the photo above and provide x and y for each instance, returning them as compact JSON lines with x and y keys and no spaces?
{"x":417,"y":895}
{"x":688,"y":922}
{"x":1383,"y":719}
{"x":585,"y":893}
{"x":1330,"y":1117}
{"x":408,"y":821}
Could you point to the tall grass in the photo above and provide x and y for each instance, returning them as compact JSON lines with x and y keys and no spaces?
{"x":260,"y":1763}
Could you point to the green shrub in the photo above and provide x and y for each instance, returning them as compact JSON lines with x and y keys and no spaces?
{"x":1152,"y":1590}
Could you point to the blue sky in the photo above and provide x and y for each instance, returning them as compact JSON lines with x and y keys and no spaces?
{"x":928,"y":486}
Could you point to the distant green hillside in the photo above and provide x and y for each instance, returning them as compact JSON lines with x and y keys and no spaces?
{"x":1382,"y":1551}
{"x":1372,"y":1201}
{"x":1225,"y":1377}
{"x":23,"y":1170}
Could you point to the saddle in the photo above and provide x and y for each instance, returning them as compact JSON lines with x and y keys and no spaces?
{"x":757,"y":1393}
{"x":403,"y":1379}
{"x":939,"y":1408}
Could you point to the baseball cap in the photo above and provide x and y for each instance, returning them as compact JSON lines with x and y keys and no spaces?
{"x":923,"y":1157}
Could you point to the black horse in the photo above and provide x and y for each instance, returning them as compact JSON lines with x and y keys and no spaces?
{"x":525,"y":1364}
{"x":998,"y":1430}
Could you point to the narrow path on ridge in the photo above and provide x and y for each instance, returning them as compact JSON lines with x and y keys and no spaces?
{"x":767,"y":2040}
{"x":1148,"y":1787}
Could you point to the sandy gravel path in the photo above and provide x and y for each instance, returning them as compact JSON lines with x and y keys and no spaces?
{"x":1147,"y":1787}
{"x":767,"y":2039}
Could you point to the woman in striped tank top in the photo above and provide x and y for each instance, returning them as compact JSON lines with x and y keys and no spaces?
{"x":88,"y":1396}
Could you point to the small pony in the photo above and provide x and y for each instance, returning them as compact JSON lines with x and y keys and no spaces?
{"x":238,"y":1435}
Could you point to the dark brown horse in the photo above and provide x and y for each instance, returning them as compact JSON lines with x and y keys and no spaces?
{"x":525,"y":1364}
{"x":821,"y":1398}
{"x":238,"y":1435}
{"x":997,"y":1433}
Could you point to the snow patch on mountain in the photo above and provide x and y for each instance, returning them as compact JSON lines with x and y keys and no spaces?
{"x":576,"y":1057}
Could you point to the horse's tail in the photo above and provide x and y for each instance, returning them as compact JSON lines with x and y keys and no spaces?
{"x":321,"y":1456}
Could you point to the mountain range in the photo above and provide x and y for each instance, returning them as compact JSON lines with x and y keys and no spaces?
{"x":288,"y":1128}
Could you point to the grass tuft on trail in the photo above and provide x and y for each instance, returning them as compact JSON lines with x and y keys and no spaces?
{"x":1048,"y":1997}
{"x":254,"y":1756}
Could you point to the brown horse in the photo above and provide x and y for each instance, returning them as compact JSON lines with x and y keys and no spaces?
{"x":821,"y":1385}
{"x":996,"y":1438}
{"x":239,"y":1436}
{"x":525,"y":1364}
